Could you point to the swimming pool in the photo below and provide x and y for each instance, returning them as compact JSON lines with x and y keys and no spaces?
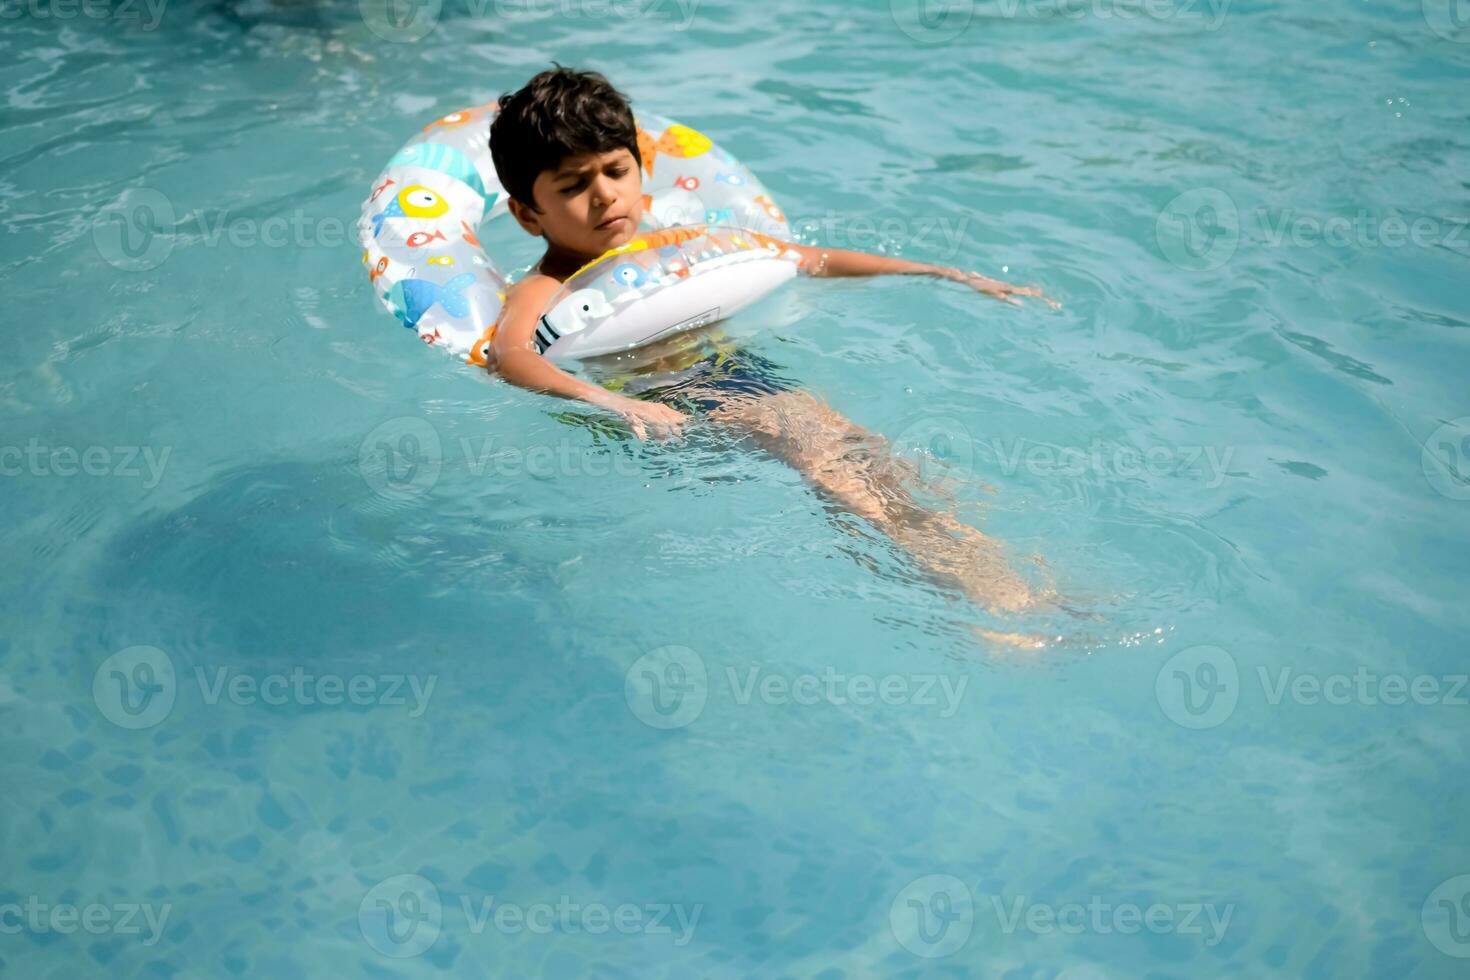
{"x":325,"y":656}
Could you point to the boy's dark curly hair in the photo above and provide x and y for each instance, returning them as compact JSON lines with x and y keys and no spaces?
{"x":559,"y":113}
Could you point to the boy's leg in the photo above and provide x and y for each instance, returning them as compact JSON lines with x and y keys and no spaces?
{"x":855,"y":468}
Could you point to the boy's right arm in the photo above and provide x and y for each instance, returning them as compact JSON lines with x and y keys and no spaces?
{"x":512,"y":354}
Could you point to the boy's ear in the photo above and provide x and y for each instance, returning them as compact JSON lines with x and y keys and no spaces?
{"x":525,"y":216}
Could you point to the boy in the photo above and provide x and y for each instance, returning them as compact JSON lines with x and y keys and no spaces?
{"x":565,"y":148}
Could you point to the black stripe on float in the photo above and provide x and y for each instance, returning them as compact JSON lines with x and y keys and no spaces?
{"x":546,"y":335}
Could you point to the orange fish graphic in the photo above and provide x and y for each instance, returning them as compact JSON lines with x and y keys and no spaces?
{"x":480,"y":353}
{"x":421,"y":238}
{"x":769,"y":205}
{"x":676,"y":141}
{"x":461,"y":117}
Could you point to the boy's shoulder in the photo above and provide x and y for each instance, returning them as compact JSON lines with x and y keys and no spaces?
{"x":534,"y":282}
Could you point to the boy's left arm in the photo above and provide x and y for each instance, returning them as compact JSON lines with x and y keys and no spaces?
{"x":818,"y":261}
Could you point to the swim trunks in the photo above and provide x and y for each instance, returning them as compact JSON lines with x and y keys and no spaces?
{"x":727,"y":372}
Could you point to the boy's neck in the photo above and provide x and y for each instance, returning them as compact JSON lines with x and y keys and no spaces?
{"x":559,"y":263}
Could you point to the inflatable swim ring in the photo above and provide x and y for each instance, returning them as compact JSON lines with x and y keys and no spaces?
{"x":711,"y":244}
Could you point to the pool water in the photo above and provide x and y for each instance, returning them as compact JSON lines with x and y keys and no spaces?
{"x":325,"y":655}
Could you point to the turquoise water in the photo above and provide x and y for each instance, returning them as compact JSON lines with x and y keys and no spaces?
{"x":327,"y":656}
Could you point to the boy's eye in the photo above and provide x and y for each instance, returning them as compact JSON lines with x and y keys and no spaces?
{"x":616,"y":172}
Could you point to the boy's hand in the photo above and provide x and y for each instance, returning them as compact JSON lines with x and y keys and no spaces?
{"x":641,"y":416}
{"x":1003,"y":291}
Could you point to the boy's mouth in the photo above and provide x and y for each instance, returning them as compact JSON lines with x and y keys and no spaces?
{"x":613,"y":224}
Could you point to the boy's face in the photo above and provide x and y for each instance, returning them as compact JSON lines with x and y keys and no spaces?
{"x":589,"y":203}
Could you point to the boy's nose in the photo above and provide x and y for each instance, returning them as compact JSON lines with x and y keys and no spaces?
{"x":604,"y":191}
